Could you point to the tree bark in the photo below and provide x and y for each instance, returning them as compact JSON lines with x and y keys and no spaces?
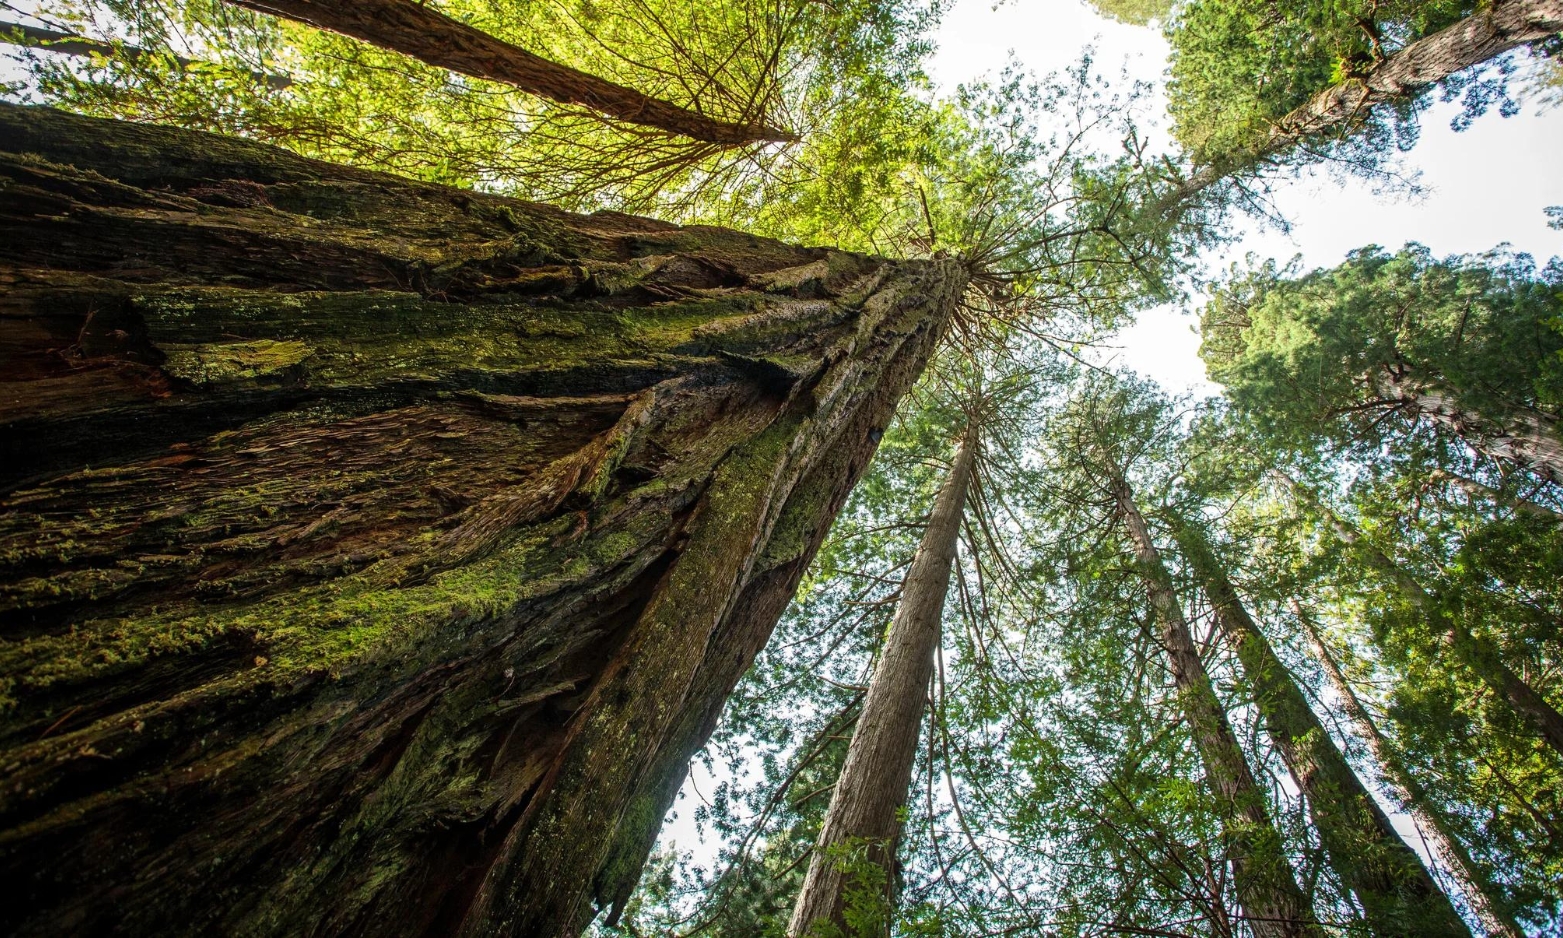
{"x":1474,"y":886}
{"x":49,"y":40}
{"x":1529,"y":438}
{"x":1486,"y":492}
{"x":1273,"y":904}
{"x":872,"y":788}
{"x":1476,"y":654}
{"x":1398,"y":895}
{"x":1339,"y":109}
{"x":429,"y":36}
{"x":374,"y":555}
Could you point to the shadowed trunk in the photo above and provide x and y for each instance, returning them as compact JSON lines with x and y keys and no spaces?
{"x":1480,"y":656}
{"x":1340,"y":109}
{"x":1529,"y":439}
{"x":863,"y":818}
{"x":429,"y":36}
{"x":1273,"y":904}
{"x":373,"y":555}
{"x":1474,"y":885}
{"x":1398,"y":895}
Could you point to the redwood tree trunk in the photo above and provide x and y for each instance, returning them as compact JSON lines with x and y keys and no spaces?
{"x":424,"y":33}
{"x":50,"y":40}
{"x":373,"y":555}
{"x":1474,"y":885}
{"x":1501,"y":27}
{"x":1529,"y":438}
{"x":872,"y":788}
{"x":1398,"y":895}
{"x":1480,"y":656}
{"x":1273,"y":904}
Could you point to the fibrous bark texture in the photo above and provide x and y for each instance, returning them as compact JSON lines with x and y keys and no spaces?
{"x":374,"y":555}
{"x":1398,"y":895}
{"x":1273,"y":904}
{"x":872,"y":788}
{"x":430,"y":36}
{"x":1474,"y":885}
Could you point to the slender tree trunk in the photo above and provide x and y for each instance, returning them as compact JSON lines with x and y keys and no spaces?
{"x":373,"y":555}
{"x":1273,"y":904}
{"x":1338,"y":110}
{"x":419,"y":31}
{"x":1474,"y":886}
{"x":1529,"y":438}
{"x":1479,"y":490}
{"x":1478,"y":655}
{"x":49,"y":40}
{"x":871,"y":791}
{"x":1398,"y":895}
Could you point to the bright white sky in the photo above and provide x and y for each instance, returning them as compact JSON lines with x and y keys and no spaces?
{"x":1485,"y":186}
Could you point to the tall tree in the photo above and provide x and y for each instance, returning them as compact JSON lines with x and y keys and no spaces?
{"x":1398,"y":895}
{"x":1468,"y":345}
{"x":1480,"y":656}
{"x":377,"y":553}
{"x":1273,"y":904}
{"x":1254,"y":80}
{"x":1475,"y":886}
{"x":864,"y":817}
{"x":424,"y":33}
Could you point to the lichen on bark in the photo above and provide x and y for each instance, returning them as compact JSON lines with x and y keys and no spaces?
{"x":374,"y":555}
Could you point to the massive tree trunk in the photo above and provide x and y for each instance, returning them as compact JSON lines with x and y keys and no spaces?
{"x":1273,"y":904}
{"x":1398,"y":895}
{"x":425,"y":34}
{"x":863,"y":818}
{"x":1340,"y":109}
{"x":1478,"y":655}
{"x":1474,"y":886}
{"x":373,"y":555}
{"x":1528,"y":438}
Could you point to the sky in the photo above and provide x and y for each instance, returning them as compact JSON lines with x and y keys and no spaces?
{"x":1481,"y":188}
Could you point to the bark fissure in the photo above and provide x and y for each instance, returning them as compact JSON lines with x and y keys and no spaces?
{"x":337,"y":600}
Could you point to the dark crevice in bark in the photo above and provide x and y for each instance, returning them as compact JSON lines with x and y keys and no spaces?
{"x":338,"y":606}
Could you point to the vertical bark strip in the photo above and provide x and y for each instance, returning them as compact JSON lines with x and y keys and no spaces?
{"x":417,"y":30}
{"x":373,"y":555}
{"x":1273,"y":904}
{"x":1477,"y":654}
{"x":1398,"y":895}
{"x":1474,"y":886}
{"x":1502,"y":26}
{"x":872,"y":787}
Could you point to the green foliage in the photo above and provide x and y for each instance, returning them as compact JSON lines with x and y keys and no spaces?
{"x":1305,"y":355}
{"x":1134,"y":12}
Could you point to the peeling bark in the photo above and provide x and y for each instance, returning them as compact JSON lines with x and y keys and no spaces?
{"x":374,"y":555}
{"x":1273,"y":904}
{"x":1398,"y":895}
{"x":872,"y":788}
{"x":419,"y":31}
